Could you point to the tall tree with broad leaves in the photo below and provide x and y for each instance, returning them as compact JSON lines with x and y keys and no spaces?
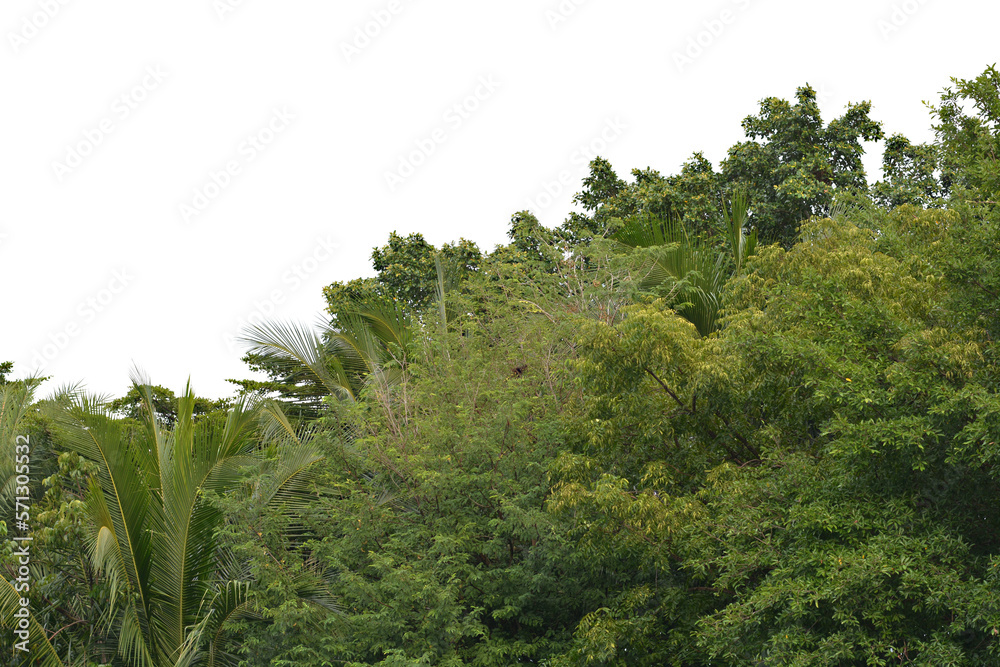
{"x":968,"y":134}
{"x":791,"y":164}
{"x":909,"y":175}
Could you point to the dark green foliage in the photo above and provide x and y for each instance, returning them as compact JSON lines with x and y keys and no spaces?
{"x":968,"y":133}
{"x":6,"y":368}
{"x":840,"y":422}
{"x":693,"y":197}
{"x":434,"y":529}
{"x":301,"y":396}
{"x":25,"y":442}
{"x":406,"y":272}
{"x":641,"y":438}
{"x":533,"y":248}
{"x":792,"y":165}
{"x":910,"y":175}
{"x":164,"y":404}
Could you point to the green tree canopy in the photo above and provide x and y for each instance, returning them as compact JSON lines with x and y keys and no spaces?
{"x":405,"y":271}
{"x":968,"y":134}
{"x":792,"y":165}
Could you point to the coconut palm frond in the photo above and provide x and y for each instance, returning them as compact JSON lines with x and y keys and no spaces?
{"x":300,"y":351}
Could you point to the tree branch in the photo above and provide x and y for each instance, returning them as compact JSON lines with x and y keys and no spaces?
{"x":667,"y":389}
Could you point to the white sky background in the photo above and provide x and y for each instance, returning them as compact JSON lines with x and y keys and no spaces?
{"x":174,"y":292}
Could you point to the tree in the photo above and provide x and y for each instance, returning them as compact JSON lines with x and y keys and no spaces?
{"x":532,"y":248}
{"x":968,"y":134}
{"x":909,"y":175}
{"x":601,"y":187}
{"x":301,"y":397}
{"x":442,"y":549}
{"x":641,"y":438}
{"x":960,"y":245}
{"x":848,"y":514}
{"x":164,"y":405}
{"x":152,"y":525}
{"x":690,"y":196}
{"x":405,"y":272}
{"x":792,"y":165}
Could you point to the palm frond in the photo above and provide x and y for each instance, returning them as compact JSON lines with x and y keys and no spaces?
{"x":40,"y":651}
{"x":691,"y":272}
{"x":16,"y":401}
{"x":441,"y":291}
{"x":742,"y":243}
{"x":291,"y":474}
{"x":298,"y":349}
{"x":132,"y":640}
{"x":231,"y":603}
{"x":120,"y":502}
{"x":387,"y":320}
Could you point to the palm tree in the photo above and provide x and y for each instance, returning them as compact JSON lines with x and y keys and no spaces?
{"x":152,"y":529}
{"x":690,"y":273}
{"x":365,"y":347}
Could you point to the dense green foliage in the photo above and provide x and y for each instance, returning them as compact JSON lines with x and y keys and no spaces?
{"x":734,"y":417}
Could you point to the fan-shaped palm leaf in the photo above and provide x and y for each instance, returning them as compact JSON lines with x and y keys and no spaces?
{"x":691,"y":273}
{"x":688,"y":272}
